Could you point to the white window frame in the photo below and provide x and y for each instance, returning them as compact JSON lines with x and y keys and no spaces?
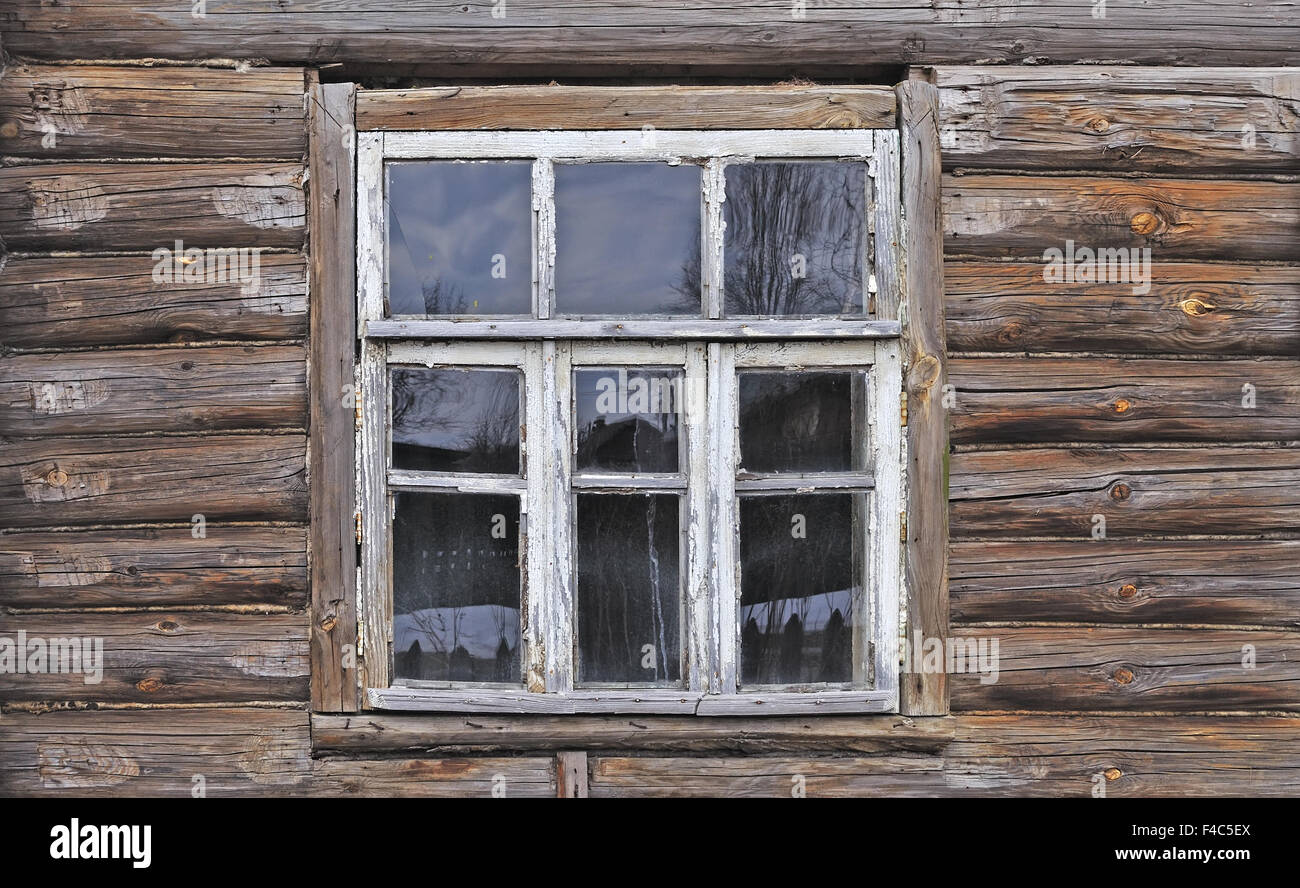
{"x":710,"y":348}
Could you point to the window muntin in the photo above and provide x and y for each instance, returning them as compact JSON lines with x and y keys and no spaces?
{"x":702,"y":667}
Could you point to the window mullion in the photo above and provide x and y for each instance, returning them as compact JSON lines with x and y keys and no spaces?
{"x":543,"y":237}
{"x":723,"y":555}
{"x":886,"y":546}
{"x":714,"y":185}
{"x":700,"y":660}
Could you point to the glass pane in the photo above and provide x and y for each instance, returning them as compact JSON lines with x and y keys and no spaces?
{"x":627,"y":238}
{"x":456,"y":587}
{"x":460,"y":237}
{"x":628,"y":420}
{"x":628,"y":589}
{"x":803,"y":421}
{"x":797,"y":588}
{"x":795,"y":238}
{"x":456,"y":420}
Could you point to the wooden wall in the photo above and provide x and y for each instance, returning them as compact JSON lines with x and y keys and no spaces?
{"x":129,"y":407}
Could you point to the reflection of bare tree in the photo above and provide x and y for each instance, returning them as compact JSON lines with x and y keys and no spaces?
{"x":776,"y":212}
{"x":475,"y":412}
{"x":442,"y":298}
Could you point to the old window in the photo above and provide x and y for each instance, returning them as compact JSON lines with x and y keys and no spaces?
{"x":631,"y":433}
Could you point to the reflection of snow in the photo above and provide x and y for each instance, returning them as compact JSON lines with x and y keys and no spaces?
{"x":814,"y":611}
{"x":478,"y":628}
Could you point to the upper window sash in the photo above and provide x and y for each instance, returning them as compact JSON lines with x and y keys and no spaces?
{"x":878,"y":149}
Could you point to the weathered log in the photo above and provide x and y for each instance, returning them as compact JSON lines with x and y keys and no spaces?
{"x":155,"y":567}
{"x":58,"y":481}
{"x":1191,"y":307}
{"x":59,"y":111}
{"x":154,"y":390}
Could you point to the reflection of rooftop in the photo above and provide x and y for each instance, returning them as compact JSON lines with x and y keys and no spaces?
{"x":632,"y":443}
{"x":477,"y":628}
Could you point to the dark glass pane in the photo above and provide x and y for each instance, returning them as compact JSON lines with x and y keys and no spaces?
{"x":460,"y":237}
{"x":628,"y":589}
{"x":456,"y":420}
{"x":802,"y":421}
{"x":797,"y":588}
{"x":456,"y":587}
{"x":628,"y":420}
{"x":627,"y":238}
{"x":795,"y":238}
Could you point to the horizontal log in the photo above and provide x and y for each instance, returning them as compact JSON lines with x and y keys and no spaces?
{"x":133,"y":206}
{"x":1191,"y":307}
{"x":154,"y":390}
{"x":1176,"y":581}
{"x":435,"y":778}
{"x":561,"y":37}
{"x":1023,"y":216}
{"x":1126,"y":119}
{"x":60,"y":481}
{"x":1155,"y":670}
{"x":162,"y":657}
{"x":1086,"y":399}
{"x":155,"y":567}
{"x":1130,"y":756}
{"x":76,"y":302}
{"x":626,"y":107}
{"x":158,"y":752}
{"x":783,"y":777}
{"x":110,"y":111}
{"x":1136,"y":490}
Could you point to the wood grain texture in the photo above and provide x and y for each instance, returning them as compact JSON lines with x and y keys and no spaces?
{"x":1155,"y":670}
{"x":155,"y":567}
{"x":61,"y":302}
{"x":1090,"y":399}
{"x":1222,"y":582}
{"x":332,"y":438}
{"x":111,"y":206}
{"x":532,"y":777}
{"x":1126,"y":119}
{"x":98,"y":111}
{"x":560,"y":35}
{"x":1139,"y":491}
{"x":626,"y":108}
{"x":169,"y":657}
{"x":60,"y":481}
{"x":924,"y":381}
{"x":1191,"y":307}
{"x":766,"y":777}
{"x":154,"y":390}
{"x":1021,"y":217}
{"x":378,"y":734}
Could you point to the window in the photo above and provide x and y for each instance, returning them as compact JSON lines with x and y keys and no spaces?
{"x":630,"y":435}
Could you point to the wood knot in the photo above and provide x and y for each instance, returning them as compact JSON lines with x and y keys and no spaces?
{"x":167,"y":626}
{"x":1012,"y":332}
{"x":329,"y":623}
{"x":8,"y":129}
{"x":1122,"y":405}
{"x":1123,"y":676}
{"x":1128,"y":590}
{"x":56,"y":478}
{"x":149,"y":685}
{"x":1113,"y":773}
{"x":1145,"y":223}
{"x":1120,"y":492}
{"x":1195,"y":307}
{"x":187,"y":365}
{"x":1098,"y":124}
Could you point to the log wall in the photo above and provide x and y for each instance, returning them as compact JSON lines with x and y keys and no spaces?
{"x":130,"y":407}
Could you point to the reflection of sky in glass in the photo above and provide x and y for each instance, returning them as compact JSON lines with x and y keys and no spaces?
{"x":627,"y":238}
{"x":795,"y":238}
{"x":455,"y":420}
{"x":447,"y":220}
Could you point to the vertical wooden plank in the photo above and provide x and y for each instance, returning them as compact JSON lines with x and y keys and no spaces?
{"x":714,"y":195}
{"x":887,"y":225}
{"x":698,"y":605}
{"x":375,"y":624}
{"x":724,"y":558}
{"x":924,"y":378}
{"x":543,"y":238}
{"x":331,"y":546}
{"x":571,"y":775}
{"x":887,"y":503}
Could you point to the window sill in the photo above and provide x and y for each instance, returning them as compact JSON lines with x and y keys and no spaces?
{"x":651,"y":702}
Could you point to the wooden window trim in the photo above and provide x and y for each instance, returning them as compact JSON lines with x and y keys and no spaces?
{"x":918,"y":314}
